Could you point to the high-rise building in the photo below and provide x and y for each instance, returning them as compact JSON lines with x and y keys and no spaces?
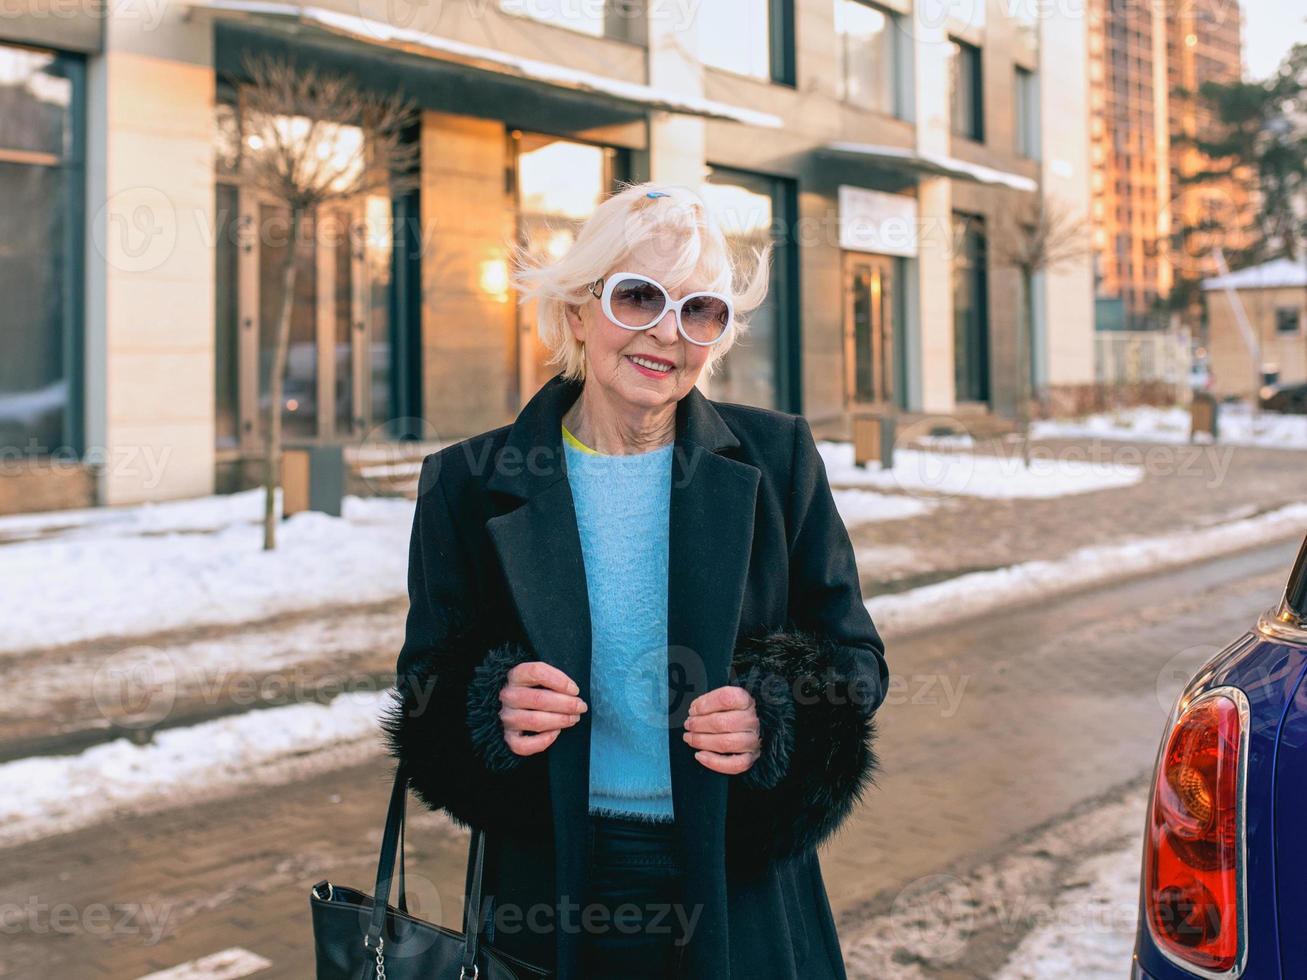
{"x":1130,"y":150}
{"x":1204,"y":44}
{"x":1147,"y":63}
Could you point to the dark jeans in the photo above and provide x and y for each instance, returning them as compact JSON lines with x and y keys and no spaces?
{"x":637,"y":879}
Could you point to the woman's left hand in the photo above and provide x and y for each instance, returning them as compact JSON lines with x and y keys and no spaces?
{"x":723,"y":726}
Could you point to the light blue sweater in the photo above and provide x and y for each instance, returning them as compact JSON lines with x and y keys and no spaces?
{"x":622,"y":507}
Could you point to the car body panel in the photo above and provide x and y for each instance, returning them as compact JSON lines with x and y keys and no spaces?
{"x":1290,"y":840}
{"x":1269,"y":670}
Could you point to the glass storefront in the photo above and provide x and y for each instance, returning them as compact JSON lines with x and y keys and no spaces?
{"x":762,"y":366}
{"x":41,"y":222}
{"x":559,"y":184}
{"x":341,"y":354}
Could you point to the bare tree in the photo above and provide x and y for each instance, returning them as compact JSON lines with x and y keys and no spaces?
{"x":307,"y":138}
{"x":1041,"y":236}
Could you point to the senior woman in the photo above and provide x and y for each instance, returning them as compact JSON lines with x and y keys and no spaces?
{"x":637,"y":653}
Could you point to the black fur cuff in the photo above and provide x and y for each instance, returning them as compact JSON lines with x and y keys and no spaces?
{"x":483,"y":707}
{"x":775,"y":707}
{"x":815,"y":702}
{"x":441,"y":725}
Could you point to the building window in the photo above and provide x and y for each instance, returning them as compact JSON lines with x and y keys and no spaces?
{"x":748,"y":37}
{"x":754,"y":209}
{"x":1026,"y":92}
{"x":351,"y":335}
{"x":967,"y":90}
{"x":970,"y":310}
{"x":874,"y":58}
{"x":1287,"y":319}
{"x":41,"y":235}
{"x":612,"y":19}
{"x":558,"y":184}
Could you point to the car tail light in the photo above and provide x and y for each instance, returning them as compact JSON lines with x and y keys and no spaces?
{"x":1193,"y":853}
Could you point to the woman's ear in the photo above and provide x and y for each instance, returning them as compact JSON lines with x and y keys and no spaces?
{"x":573,"y":314}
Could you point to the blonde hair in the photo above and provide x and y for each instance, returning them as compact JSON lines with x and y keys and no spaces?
{"x":673,"y":233}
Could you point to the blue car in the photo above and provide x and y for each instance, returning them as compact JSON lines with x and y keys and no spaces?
{"x":1224,"y":877}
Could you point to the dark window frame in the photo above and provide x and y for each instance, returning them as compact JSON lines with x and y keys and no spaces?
{"x":1282,"y":316}
{"x":969,"y":58}
{"x":71,"y":162}
{"x":785,"y":265}
{"x":901,"y":68}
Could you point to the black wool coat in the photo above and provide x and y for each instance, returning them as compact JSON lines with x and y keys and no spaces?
{"x":763,"y":592}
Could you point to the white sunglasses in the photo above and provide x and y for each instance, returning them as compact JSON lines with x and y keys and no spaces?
{"x":636,"y":302}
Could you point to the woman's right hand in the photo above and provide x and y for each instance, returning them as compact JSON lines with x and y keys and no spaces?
{"x":537,"y":702}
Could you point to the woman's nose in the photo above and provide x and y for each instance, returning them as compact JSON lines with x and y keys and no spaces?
{"x":665,"y":329}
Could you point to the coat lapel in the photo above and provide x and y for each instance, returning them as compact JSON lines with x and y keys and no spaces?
{"x":710,"y":533}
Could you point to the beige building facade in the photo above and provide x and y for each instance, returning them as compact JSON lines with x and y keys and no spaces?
{"x":888,"y":156}
{"x":1270,"y":344}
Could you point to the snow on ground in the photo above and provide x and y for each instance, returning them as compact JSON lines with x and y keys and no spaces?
{"x":1236,"y":426}
{"x":45,"y":795}
{"x":977,"y":474}
{"x":146,"y":569}
{"x":197,"y":515}
{"x":292,"y":658}
{"x":968,"y":595}
{"x":1059,"y":905}
{"x":1092,"y":935}
{"x":124,"y":571}
{"x":865,"y":506}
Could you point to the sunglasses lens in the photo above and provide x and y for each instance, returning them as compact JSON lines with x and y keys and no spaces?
{"x":706,"y":318}
{"x":637,"y":303}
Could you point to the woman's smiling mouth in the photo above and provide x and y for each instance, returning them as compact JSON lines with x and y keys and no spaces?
{"x":652,"y":367}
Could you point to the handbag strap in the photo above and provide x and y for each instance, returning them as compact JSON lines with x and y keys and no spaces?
{"x":392,"y":848}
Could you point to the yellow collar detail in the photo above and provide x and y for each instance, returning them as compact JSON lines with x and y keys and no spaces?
{"x":578,"y":444}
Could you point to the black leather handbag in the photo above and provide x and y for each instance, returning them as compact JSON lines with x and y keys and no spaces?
{"x":361,"y":937}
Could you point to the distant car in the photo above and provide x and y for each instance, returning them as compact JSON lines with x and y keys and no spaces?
{"x":1285,"y":397}
{"x":1224,"y":877}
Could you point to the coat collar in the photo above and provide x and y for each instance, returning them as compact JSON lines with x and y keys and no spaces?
{"x":532,"y":456}
{"x":711,"y":526}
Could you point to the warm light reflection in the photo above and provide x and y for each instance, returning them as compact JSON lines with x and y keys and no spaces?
{"x":494,"y":278}
{"x":561,"y":179}
{"x":558,"y":244}
{"x":338,"y":146}
{"x":739,"y":210}
{"x":378,"y":220}
{"x":735,"y":35}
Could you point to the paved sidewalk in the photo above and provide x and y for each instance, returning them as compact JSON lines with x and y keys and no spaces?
{"x":992,"y":729}
{"x":1184,"y":487}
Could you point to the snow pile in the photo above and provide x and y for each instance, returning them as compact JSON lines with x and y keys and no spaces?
{"x":43,"y":795}
{"x":978,"y":474}
{"x":1236,"y":425}
{"x":1060,"y":904}
{"x":866,"y":506}
{"x":969,"y":595}
{"x":1091,"y":933}
{"x":110,"y":579}
{"x":195,"y":515}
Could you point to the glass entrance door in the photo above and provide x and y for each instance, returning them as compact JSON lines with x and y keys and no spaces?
{"x":869,"y":329}
{"x":559,"y":183}
{"x":338,"y":365}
